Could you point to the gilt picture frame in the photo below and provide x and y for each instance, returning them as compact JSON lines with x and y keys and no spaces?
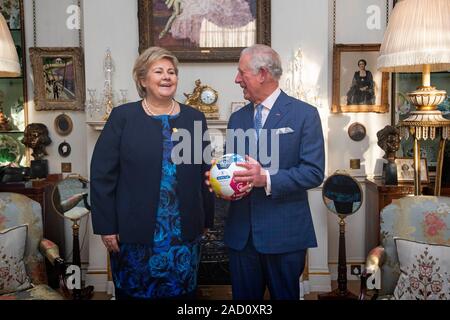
{"x":58,"y":78}
{"x":63,"y":124}
{"x":353,"y":91}
{"x":189,"y":29}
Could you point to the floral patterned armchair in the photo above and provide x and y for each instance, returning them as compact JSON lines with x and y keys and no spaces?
{"x":424,"y":219}
{"x":17,"y":209}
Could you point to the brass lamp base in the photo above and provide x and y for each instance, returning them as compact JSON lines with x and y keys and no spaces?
{"x":426,"y":123}
{"x":426,"y":97}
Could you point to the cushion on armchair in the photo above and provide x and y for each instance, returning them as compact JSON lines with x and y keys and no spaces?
{"x":13,"y":276}
{"x":425,"y":271}
{"x":416,"y":218}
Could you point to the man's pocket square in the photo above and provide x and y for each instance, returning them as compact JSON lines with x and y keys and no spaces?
{"x":284,"y":130}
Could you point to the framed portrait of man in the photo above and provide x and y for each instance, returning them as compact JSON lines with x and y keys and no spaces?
{"x":198,"y":30}
{"x":357,"y":84}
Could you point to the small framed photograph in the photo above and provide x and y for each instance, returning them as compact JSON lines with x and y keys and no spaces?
{"x":58,"y":78}
{"x":235,"y":106}
{"x":63,"y":124}
{"x":64,"y":149}
{"x":405,"y":170}
{"x":357,"y":84}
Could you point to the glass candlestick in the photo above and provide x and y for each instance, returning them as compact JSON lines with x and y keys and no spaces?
{"x":123,"y":94}
{"x":92,"y":104}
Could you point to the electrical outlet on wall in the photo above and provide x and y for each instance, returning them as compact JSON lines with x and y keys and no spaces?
{"x":355,"y":269}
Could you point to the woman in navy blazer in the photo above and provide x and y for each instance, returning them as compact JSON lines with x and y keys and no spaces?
{"x":151,"y":211}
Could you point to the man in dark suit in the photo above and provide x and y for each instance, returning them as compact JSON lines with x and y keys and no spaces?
{"x":269,"y":231}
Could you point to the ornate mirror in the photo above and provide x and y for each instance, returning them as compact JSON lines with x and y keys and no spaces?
{"x":70,"y":199}
{"x":343,"y":196}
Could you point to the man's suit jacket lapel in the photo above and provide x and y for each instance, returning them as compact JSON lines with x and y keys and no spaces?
{"x":279,"y":111}
{"x":248,"y":117}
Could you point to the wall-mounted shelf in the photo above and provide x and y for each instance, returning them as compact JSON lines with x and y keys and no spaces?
{"x":212,"y":124}
{"x":96,"y":125}
{"x":217,"y":124}
{"x":12,"y":131}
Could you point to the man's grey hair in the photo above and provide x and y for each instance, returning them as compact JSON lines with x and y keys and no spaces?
{"x":263,"y":56}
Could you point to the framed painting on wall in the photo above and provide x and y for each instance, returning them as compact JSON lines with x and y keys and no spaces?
{"x":197,"y":30}
{"x":58,"y":78}
{"x":357,"y":85}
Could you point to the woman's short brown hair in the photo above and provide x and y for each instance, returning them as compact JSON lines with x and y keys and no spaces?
{"x":144,"y":61}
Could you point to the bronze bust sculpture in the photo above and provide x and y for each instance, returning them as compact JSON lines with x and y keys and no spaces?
{"x":36,"y":137}
{"x":389,"y":141}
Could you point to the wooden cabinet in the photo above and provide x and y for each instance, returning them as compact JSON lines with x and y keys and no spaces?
{"x":41,"y":191}
{"x":378,"y":196}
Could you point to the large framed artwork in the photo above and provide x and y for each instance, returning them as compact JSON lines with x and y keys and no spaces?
{"x":58,"y":78}
{"x":357,"y":85}
{"x":199,"y":30}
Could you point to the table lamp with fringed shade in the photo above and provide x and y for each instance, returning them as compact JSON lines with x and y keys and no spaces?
{"x":9,"y":63}
{"x":9,"y":60}
{"x":417,"y":39}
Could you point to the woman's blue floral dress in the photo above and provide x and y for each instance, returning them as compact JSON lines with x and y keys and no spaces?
{"x":169,"y":267}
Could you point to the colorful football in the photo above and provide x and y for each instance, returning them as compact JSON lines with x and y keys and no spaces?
{"x":221,"y":177}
